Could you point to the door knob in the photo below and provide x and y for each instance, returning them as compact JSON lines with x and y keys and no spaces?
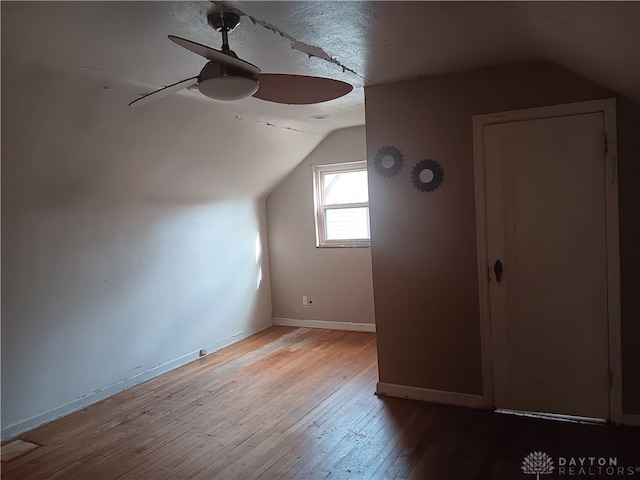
{"x":497,"y":269}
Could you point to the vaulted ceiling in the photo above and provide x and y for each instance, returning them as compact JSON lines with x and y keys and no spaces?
{"x":112,"y":52}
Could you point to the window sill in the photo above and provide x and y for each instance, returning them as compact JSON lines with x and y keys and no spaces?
{"x":343,"y":246}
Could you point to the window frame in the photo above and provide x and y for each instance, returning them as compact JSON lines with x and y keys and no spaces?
{"x":319,"y":171}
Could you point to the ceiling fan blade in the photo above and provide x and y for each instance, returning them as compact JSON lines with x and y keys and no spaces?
{"x":299,"y":89}
{"x":215,"y":55}
{"x":163,"y":92}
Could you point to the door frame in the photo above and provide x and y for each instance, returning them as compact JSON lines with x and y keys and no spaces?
{"x":608,"y":109}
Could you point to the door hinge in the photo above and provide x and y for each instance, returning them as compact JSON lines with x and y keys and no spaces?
{"x":605,"y":143}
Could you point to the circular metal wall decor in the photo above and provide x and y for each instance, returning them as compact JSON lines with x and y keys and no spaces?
{"x":388,"y":161}
{"x":427,"y":175}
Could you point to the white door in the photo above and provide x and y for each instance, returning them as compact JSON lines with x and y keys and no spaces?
{"x":546,"y":226}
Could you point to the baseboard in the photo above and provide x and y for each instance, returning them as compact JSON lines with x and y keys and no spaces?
{"x":428,"y":395}
{"x":329,"y":325}
{"x":630,"y":419}
{"x":80,"y":403}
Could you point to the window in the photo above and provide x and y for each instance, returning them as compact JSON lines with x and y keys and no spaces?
{"x":342,"y":205}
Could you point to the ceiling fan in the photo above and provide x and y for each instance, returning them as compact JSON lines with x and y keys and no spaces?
{"x":227,"y":77}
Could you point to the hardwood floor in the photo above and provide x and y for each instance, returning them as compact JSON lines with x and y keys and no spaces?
{"x":297,"y":404}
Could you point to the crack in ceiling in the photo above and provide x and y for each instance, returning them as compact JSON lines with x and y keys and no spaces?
{"x":269,"y":124}
{"x":310,"y":50}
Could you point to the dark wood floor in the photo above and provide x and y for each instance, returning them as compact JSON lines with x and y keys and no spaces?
{"x":298,"y":404}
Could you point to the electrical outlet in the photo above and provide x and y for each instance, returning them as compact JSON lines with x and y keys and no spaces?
{"x":305,"y":301}
{"x":203,"y":352}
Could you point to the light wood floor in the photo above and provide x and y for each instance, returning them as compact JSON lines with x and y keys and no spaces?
{"x":295,"y":404}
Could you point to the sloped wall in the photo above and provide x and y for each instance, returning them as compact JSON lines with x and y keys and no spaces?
{"x":127,"y":243}
{"x":424,"y":245}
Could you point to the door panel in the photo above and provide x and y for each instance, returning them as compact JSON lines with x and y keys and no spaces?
{"x":546,"y":222}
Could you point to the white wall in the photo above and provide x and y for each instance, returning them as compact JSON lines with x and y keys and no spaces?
{"x":125,"y":250}
{"x":94,"y":297}
{"x":337,"y":280}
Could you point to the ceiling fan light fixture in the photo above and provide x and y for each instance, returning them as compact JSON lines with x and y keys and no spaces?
{"x":228,"y":88}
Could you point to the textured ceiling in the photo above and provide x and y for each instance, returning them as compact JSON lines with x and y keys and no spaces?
{"x":123,"y":48}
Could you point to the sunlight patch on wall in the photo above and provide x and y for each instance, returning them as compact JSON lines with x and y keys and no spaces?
{"x":258,"y":250}
{"x":258,"y":247}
